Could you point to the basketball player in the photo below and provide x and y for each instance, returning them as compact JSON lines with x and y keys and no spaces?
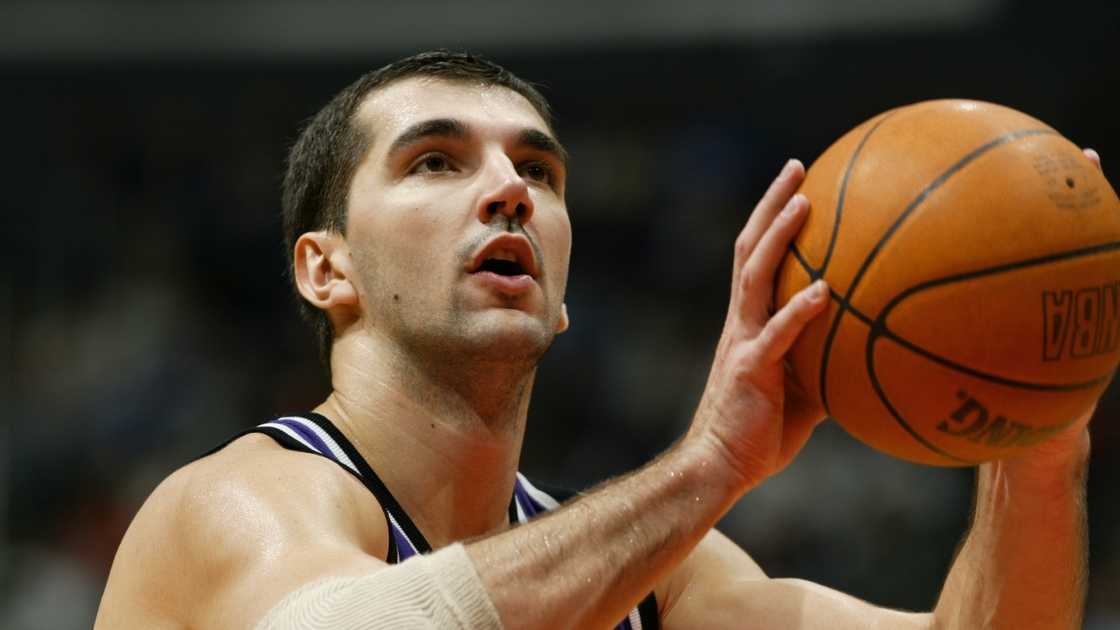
{"x":425,"y":216}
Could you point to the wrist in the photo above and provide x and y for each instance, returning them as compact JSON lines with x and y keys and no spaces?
{"x":1053,"y":472}
{"x":709,"y":459}
{"x":1063,"y":457}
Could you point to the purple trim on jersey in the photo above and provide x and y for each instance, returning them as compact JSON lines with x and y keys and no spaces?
{"x":531,"y":508}
{"x":404,"y":545}
{"x":309,"y":435}
{"x":528,"y":505}
{"x":405,"y":548}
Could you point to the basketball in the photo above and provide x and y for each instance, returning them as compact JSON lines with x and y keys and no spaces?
{"x":973,"y":256}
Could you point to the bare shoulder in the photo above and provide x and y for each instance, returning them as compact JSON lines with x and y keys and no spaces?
{"x":257,"y":494}
{"x":721,"y":586}
{"x":714,"y":560}
{"x":238,"y":529}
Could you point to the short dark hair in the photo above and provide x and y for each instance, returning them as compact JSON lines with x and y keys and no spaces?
{"x":323,"y":159}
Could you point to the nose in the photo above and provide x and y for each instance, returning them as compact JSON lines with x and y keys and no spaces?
{"x":505,"y":192}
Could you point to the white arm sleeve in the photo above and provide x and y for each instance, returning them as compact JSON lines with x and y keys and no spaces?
{"x":435,"y":591}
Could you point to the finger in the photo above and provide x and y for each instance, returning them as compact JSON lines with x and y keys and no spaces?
{"x":781,"y":189}
{"x":783,"y":328}
{"x":772,"y":202}
{"x":1093,"y":156}
{"x":758,"y":274}
{"x":796,"y":431}
{"x":801,"y":414}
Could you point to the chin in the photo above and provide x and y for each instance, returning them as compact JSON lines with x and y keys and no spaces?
{"x":510,"y":337}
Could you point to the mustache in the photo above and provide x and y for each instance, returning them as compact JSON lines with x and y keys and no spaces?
{"x":502,"y":225}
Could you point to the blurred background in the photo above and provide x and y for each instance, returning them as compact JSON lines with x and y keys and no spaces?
{"x":145,"y":316}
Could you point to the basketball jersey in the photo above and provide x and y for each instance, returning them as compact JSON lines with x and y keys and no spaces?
{"x":313,"y":433}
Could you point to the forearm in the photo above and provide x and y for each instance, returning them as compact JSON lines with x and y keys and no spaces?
{"x":586,"y":565}
{"x":1023,"y":563}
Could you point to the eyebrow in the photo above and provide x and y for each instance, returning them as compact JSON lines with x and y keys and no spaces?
{"x":435,"y":128}
{"x":456,"y":130}
{"x":541,"y":141}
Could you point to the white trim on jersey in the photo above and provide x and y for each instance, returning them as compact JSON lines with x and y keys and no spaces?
{"x":522,"y":517}
{"x":404,"y":534}
{"x":635,"y":619}
{"x":335,"y":450}
{"x":540,"y":497}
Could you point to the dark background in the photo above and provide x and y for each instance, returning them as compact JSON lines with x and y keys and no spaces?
{"x":145,"y":316}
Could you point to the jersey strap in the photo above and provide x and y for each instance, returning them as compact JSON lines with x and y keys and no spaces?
{"x":529,"y":501}
{"x":315,"y":434}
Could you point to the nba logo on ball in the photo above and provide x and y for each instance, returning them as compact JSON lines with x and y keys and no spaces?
{"x":974,"y":259}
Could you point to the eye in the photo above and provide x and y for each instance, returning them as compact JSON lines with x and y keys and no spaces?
{"x":432,"y":163}
{"x":538,"y":172}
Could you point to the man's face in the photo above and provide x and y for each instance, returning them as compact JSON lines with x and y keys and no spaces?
{"x":457,"y":224}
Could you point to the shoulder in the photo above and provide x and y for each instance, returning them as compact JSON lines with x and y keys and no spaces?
{"x":233,"y":513}
{"x":700,"y":582}
{"x":720,"y":586}
{"x":255,"y":483}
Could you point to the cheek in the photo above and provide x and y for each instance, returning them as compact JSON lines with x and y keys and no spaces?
{"x":397,"y":251}
{"x":557,"y":238}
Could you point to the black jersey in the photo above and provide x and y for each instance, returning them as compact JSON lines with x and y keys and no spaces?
{"x":313,"y":433}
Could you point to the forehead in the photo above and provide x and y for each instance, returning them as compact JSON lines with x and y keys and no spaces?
{"x":389,"y":110}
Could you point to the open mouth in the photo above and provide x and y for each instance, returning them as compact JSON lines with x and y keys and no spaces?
{"x":502,"y":267}
{"x":508,"y":256}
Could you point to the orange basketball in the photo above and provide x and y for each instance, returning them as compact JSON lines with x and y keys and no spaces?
{"x":973,"y":255}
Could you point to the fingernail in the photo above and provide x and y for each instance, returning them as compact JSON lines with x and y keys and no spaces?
{"x":820,"y":290}
{"x":788,"y":167}
{"x":794,"y":205}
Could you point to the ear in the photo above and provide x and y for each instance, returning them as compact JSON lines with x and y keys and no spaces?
{"x":562,"y":325}
{"x":321,"y":262}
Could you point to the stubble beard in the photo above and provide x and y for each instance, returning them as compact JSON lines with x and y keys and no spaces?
{"x":455,"y":346}
{"x":470,"y":339}
{"x":467,"y":366}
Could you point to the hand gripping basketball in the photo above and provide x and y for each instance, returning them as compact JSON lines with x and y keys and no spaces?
{"x":742,"y":412}
{"x":974,"y":258}
{"x":1070,"y":446}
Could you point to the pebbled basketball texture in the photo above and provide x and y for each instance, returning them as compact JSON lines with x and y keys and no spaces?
{"x":973,"y":255}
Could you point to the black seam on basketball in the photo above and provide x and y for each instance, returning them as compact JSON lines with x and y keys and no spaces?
{"x":879,"y":327}
{"x":828,"y":256}
{"x":845,"y":305}
{"x":870,"y":361}
{"x":929,"y":189}
{"x":833,"y":294}
{"x":800,"y":258}
{"x":1000,"y":380}
{"x":906,"y":213}
{"x":844,"y":192}
{"x":814,"y":274}
{"x":1101,"y":248}
{"x":879,"y":330}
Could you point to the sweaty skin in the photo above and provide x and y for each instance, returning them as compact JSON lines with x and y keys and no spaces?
{"x":432,"y":369}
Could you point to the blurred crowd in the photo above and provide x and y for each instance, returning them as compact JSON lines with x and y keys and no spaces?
{"x":147,"y":316}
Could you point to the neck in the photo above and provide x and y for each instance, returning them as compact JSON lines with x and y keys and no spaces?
{"x":445,"y":437}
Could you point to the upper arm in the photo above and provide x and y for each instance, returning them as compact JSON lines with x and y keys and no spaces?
{"x":720,"y":586}
{"x":222,"y":541}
